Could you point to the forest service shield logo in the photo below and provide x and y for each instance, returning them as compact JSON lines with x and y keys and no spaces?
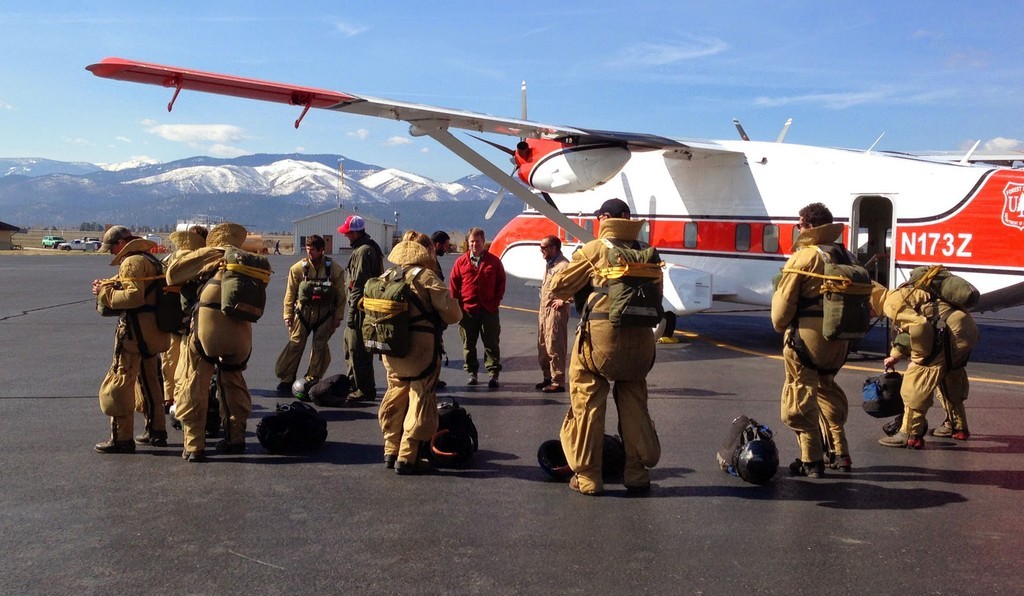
{"x":1013,"y":206}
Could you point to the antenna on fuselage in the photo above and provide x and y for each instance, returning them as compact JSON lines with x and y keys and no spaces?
{"x":875,"y":143}
{"x":966,"y":159}
{"x":785,"y":129}
{"x":739,"y":129}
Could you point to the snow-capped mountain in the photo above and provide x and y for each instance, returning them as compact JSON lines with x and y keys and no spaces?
{"x":264,"y":190}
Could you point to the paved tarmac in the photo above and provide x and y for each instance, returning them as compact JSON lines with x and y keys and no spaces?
{"x":943,"y":520}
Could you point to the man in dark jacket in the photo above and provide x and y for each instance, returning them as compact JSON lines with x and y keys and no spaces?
{"x":366,"y":261}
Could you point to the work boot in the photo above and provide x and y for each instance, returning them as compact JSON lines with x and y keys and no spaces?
{"x":902,"y":439}
{"x":156,"y":438}
{"x":492,"y":383}
{"x":389,"y":460}
{"x":112,"y":446}
{"x":843,"y":463}
{"x":472,"y":379}
{"x":284,"y":388}
{"x":542,"y":384}
{"x":810,"y":469}
{"x":194,"y":457}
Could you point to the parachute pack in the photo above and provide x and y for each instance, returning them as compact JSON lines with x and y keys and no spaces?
{"x":634,"y":285}
{"x":243,"y":284}
{"x":882,"y":395}
{"x":940,"y":283}
{"x":456,"y":439}
{"x":388,"y":324}
{"x":845,"y":294}
{"x":170,"y":317}
{"x":293,"y":428}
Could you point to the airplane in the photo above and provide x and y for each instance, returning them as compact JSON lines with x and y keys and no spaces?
{"x":722,"y":213}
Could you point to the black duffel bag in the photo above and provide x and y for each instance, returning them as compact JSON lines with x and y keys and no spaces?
{"x":882,"y":395}
{"x":293,"y":428}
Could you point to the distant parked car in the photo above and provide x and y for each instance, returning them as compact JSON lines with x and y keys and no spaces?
{"x":52,"y":241}
{"x":83,"y":244}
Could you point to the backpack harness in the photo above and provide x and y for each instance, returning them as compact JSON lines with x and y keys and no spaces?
{"x":321,"y":285}
{"x":387,"y":310}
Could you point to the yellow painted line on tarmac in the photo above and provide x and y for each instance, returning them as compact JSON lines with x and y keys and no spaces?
{"x":725,"y":346}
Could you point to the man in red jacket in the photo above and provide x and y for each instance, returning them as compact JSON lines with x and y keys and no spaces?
{"x":477,"y":281}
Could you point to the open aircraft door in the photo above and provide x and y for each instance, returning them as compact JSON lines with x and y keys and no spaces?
{"x":871,"y":234}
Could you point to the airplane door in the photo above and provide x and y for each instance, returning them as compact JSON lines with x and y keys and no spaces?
{"x":871,"y":235}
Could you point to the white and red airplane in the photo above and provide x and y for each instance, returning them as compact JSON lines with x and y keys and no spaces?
{"x":723,"y":214}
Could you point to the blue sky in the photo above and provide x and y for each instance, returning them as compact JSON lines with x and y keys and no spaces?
{"x":930,"y":75}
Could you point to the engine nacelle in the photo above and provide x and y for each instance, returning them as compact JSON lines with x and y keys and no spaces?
{"x":559,"y":168}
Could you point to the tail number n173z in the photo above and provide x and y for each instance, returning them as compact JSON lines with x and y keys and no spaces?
{"x":930,"y":244}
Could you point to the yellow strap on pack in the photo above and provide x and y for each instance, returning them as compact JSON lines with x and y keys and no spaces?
{"x":834,"y":283}
{"x":651,"y":270}
{"x":253,"y":272}
{"x":115,"y":280}
{"x":926,"y":279}
{"x":389,"y":308}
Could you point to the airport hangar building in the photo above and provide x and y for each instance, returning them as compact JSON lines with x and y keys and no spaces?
{"x":326,"y":225}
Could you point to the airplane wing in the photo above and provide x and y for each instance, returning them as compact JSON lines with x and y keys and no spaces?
{"x":308,"y":97}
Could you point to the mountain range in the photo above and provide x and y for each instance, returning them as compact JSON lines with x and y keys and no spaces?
{"x":263,"y":192}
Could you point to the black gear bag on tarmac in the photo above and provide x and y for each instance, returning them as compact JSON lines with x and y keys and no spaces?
{"x":293,"y":428}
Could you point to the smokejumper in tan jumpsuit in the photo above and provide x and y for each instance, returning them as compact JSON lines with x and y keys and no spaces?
{"x":216,"y":341}
{"x":408,"y":410}
{"x":133,"y":380}
{"x":810,"y":391}
{"x":552,"y":326}
{"x":183,"y":242}
{"x":603,"y":354}
{"x":308,"y":316}
{"x":930,"y":369}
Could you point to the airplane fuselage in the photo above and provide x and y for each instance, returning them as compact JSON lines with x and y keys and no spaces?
{"x":734,"y":214}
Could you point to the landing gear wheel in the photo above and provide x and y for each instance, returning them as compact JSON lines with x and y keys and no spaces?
{"x":667,"y":326}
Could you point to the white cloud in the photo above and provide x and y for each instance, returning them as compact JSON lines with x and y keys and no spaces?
{"x":196,"y":133}
{"x":76,"y":141}
{"x":396,"y":141}
{"x":841,"y":101}
{"x":123,"y":139}
{"x":1003,"y":144}
{"x":362,"y":134}
{"x":425,"y":150}
{"x":926,"y":34}
{"x":663,"y":54}
{"x":5,"y":106}
{"x":219,"y":150}
{"x":348,"y":29}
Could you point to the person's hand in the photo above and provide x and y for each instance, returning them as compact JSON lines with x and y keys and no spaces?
{"x":97,"y":285}
{"x":890,"y":362}
{"x":288,"y":323}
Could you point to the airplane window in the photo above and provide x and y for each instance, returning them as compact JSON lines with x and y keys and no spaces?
{"x":796,"y":234}
{"x":770,"y":238}
{"x":690,"y":235}
{"x":743,"y":237}
{"x":645,"y":234}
